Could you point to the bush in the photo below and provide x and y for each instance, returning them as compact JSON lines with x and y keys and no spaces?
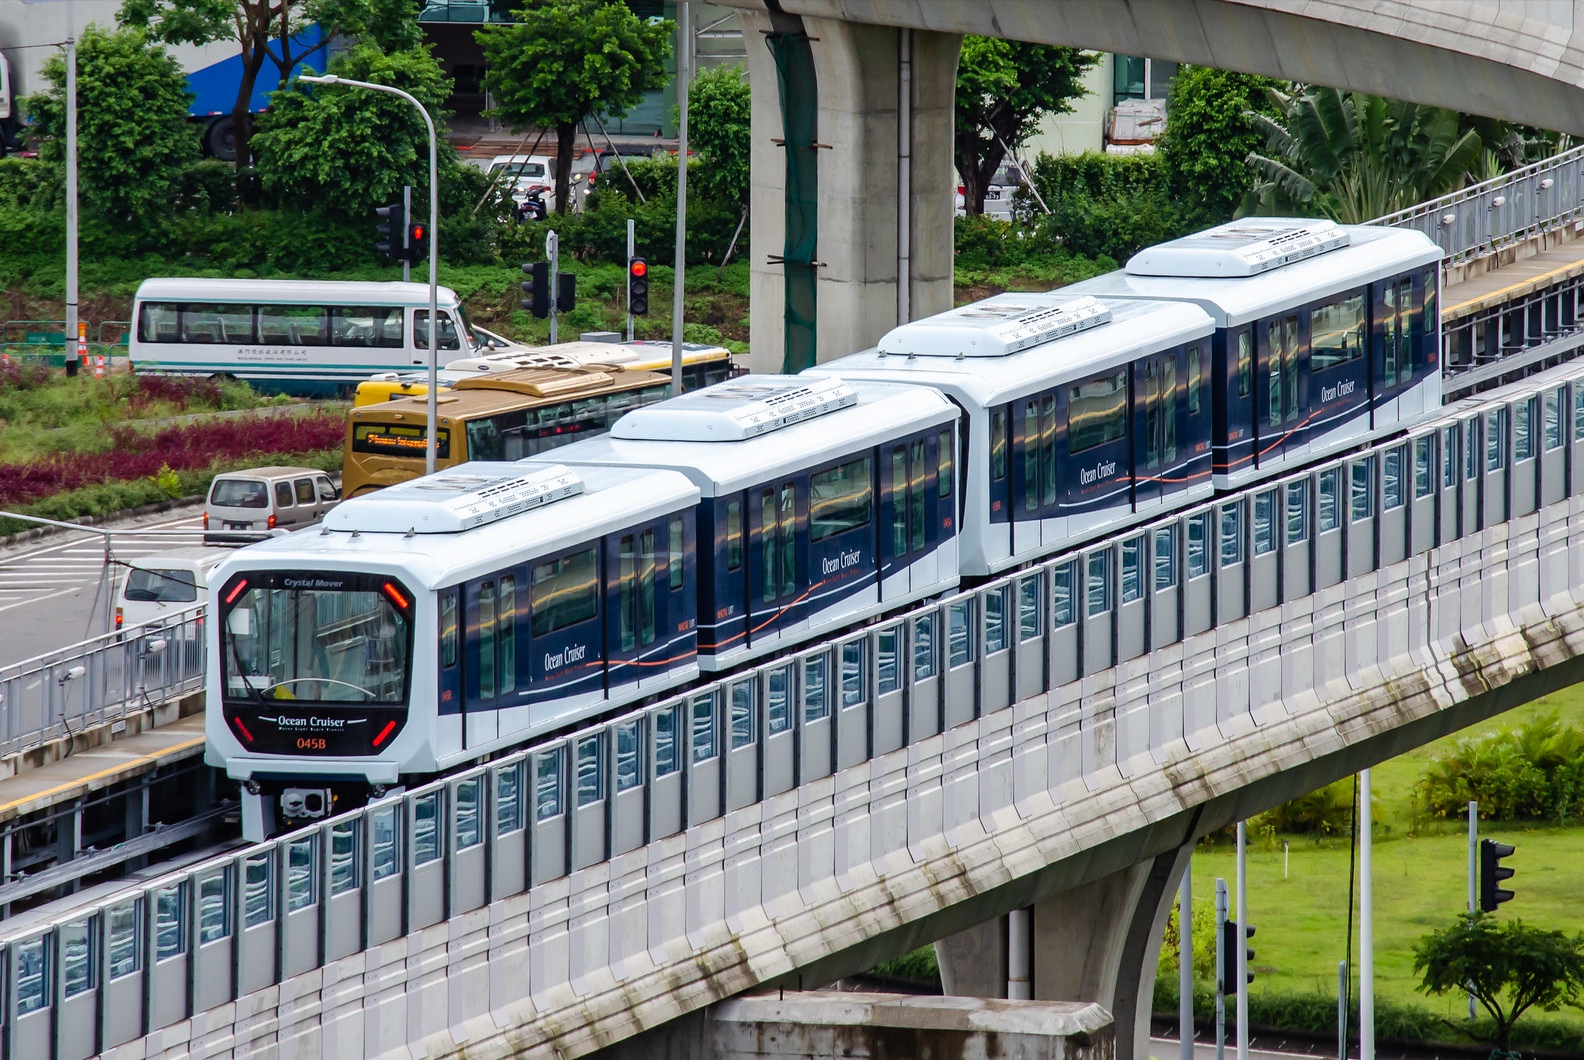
{"x":1106,"y":205}
{"x":1533,"y":773}
{"x":1326,"y":812}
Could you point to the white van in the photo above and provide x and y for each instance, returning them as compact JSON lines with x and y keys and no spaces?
{"x":163,"y":584}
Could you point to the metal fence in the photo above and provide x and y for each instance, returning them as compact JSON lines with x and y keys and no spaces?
{"x":101,"y":975}
{"x":1503,"y":210}
{"x":100,"y":681}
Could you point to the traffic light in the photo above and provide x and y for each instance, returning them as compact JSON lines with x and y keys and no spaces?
{"x":637,"y":286}
{"x":417,"y":241}
{"x":390,"y":232}
{"x":1229,"y":950}
{"x":566,"y":292}
{"x":537,"y":288}
{"x":1492,"y":873}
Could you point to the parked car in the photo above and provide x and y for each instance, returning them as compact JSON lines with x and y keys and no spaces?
{"x":163,"y":584}
{"x":998,"y":196}
{"x":245,"y":506}
{"x":606,"y":160}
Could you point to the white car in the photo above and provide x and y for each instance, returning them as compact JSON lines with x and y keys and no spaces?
{"x":998,"y":196}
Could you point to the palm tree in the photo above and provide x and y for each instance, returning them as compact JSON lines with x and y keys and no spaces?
{"x":1354,"y":157}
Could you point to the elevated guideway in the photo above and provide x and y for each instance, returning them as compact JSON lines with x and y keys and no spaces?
{"x":1069,"y":729}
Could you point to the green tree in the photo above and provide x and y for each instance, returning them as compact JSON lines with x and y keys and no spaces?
{"x":1004,"y":88}
{"x":1209,"y":136}
{"x":1508,"y":967}
{"x":563,"y":60}
{"x":1354,"y":157}
{"x":267,"y":31}
{"x":719,"y":118}
{"x":133,"y":140}
{"x":348,"y":150}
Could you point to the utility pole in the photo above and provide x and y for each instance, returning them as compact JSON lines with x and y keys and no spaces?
{"x":406,"y":219}
{"x":1240,"y":969}
{"x":1185,"y":1024}
{"x":632,"y":245}
{"x":553,"y":252}
{"x":1473,"y":874}
{"x":71,"y":348}
{"x":1222,"y":971}
{"x":684,"y":72}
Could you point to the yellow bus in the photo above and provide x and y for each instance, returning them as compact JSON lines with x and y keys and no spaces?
{"x":506,"y":416}
{"x":701,"y":365}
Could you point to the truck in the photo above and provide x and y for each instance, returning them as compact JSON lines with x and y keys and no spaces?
{"x":214,"y":71}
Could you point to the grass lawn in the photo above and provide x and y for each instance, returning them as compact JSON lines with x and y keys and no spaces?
{"x":1298,"y":901}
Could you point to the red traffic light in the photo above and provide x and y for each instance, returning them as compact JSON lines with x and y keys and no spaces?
{"x":640,"y":268}
{"x":418,"y":231}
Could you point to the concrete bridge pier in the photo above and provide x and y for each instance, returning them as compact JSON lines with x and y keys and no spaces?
{"x":1097,"y":943}
{"x":858,"y":118}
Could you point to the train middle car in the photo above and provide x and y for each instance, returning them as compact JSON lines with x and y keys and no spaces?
{"x":443,"y":619}
{"x":824,"y":501}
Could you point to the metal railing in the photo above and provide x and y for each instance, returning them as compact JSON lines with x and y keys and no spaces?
{"x":1501,"y":211}
{"x":44,"y":341}
{"x":57,"y":695}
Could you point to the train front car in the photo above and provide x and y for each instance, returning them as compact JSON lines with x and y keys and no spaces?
{"x":1081,"y":415}
{"x":1326,"y":335}
{"x":438,"y":621}
{"x":824,"y":502}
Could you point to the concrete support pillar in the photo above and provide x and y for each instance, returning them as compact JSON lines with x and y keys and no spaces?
{"x":1097,"y":943}
{"x":859,"y":83}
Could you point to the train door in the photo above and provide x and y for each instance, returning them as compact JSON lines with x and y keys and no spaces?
{"x":776,"y":576}
{"x":1277,"y":413}
{"x":723,"y":604}
{"x":1233,"y":425}
{"x":633,"y":611}
{"x":905,"y":529}
{"x":1033,"y":470}
{"x":679,"y":596}
{"x":1426,"y":329}
{"x":1392,"y":350}
{"x":1155,"y":414}
{"x":489,"y":658}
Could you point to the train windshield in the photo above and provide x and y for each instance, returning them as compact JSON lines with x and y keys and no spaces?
{"x":318,"y":636}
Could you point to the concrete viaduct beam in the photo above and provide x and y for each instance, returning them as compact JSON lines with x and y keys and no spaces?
{"x":884,"y":226}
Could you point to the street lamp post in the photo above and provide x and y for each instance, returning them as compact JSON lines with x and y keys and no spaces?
{"x":434,"y":245}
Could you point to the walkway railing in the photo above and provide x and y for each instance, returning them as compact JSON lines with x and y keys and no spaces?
{"x":1503,"y":210}
{"x":100,"y":681}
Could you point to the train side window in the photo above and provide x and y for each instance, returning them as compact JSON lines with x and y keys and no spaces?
{"x":1523,"y":429}
{"x":816,"y":701}
{"x":1028,"y":608}
{"x":1449,"y":457}
{"x":1264,"y":522}
{"x":667,"y":727}
{"x":1097,"y":412}
{"x":1423,"y":481}
{"x":1362,"y":499}
{"x":1392,"y":478}
{"x":1336,"y":333}
{"x":1032,"y":451}
{"x":647,"y":622}
{"x":1062,"y":578}
{"x":924,"y":646}
{"x":840,"y":499}
{"x":899,"y":506}
{"x":788,"y":521}
{"x":1273,"y":341}
{"x":1193,"y":380}
{"x":1165,"y":558}
{"x":486,"y":640}
{"x":448,"y":629}
{"x":626,"y":574}
{"x":629,"y":763}
{"x":1392,"y":331}
{"x":704,"y":727}
{"x":1152,"y":416}
{"x":1231,"y":534}
{"x":744,"y":719}
{"x":998,"y":444}
{"x":1290,"y":366}
{"x":674,"y":553}
{"x":1432,"y":321}
{"x":563,"y":592}
{"x":1245,"y":363}
{"x":1553,"y":419}
{"x":767,"y":519}
{"x":916,"y":484}
{"x":1099,"y":588}
{"x":1495,"y":440}
{"x":1169,"y":409}
{"x":1048,"y":450}
{"x":943,"y":464}
{"x":1297,"y":511}
{"x":1198,"y":545}
{"x":591,"y":770}
{"x":547,"y":784}
{"x":734,"y":535}
{"x":1132,"y":569}
{"x":506,"y":620}
{"x":1329,"y":487}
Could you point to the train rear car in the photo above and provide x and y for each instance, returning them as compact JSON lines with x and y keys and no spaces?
{"x":1326,"y":335}
{"x":1080,"y":415}
{"x":824,"y":502}
{"x":441,"y":620}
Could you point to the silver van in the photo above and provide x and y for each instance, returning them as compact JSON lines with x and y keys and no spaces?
{"x":261,"y":502}
{"x":163,"y":584}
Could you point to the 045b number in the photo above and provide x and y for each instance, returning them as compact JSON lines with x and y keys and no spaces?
{"x":310,"y":743}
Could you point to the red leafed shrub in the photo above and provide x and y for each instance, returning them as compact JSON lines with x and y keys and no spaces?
{"x":177,"y":390}
{"x":18,"y":375}
{"x":188,"y":447}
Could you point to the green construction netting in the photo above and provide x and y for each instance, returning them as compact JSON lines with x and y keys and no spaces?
{"x":799,"y":113}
